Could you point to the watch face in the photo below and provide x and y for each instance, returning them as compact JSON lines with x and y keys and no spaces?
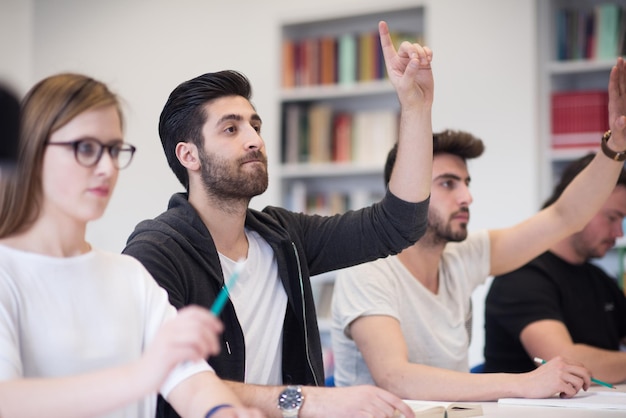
{"x":290,"y":398}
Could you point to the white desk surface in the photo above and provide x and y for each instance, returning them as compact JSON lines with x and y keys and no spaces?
{"x":495,"y":410}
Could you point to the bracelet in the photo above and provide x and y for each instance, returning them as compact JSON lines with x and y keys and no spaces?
{"x":216,"y":408}
{"x":616,"y":156}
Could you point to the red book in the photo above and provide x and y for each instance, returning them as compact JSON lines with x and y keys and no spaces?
{"x":342,"y":137}
{"x":579,"y":117}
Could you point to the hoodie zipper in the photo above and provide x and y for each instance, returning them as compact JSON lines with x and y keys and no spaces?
{"x":306,"y":332}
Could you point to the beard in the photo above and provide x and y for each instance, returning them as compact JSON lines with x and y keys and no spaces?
{"x":230,"y":182}
{"x":441,"y":232}
{"x":587,"y":246}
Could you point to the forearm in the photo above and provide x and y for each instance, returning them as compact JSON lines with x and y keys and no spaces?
{"x":592,"y":186}
{"x":265,"y":398}
{"x":417,"y":381}
{"x":196,"y":395}
{"x":262,"y":397}
{"x":412,"y":172}
{"x":606,"y":365}
{"x":92,"y":394}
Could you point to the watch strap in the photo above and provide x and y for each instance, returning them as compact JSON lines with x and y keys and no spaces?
{"x":616,"y":156}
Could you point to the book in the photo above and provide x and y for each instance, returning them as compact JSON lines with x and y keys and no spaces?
{"x":320,"y":132}
{"x":342,"y":137}
{"x":328,"y":60}
{"x":607,"y":19}
{"x":436,"y":409}
{"x":367,"y":56}
{"x":578,"y":117}
{"x":374,"y":132}
{"x":600,"y":400}
{"x":291,"y":136}
{"x":347,"y":59}
{"x":288,"y":63}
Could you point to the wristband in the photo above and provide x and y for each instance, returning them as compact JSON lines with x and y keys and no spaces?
{"x":216,"y":408}
{"x":617,"y":156}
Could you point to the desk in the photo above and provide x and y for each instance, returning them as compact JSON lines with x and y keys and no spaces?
{"x":495,"y":410}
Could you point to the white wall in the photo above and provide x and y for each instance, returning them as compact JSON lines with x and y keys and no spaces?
{"x":16,"y":38}
{"x":484,"y":63}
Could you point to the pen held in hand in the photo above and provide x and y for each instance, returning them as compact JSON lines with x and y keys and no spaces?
{"x":222,"y":297}
{"x":599,"y":382}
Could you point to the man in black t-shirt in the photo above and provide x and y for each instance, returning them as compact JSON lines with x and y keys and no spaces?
{"x":560,"y":303}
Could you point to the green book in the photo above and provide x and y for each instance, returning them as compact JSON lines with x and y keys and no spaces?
{"x":347,"y":58}
{"x":607,"y":19}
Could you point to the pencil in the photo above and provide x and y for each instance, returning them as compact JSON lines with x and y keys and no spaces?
{"x":220,"y":301}
{"x":594,"y":380}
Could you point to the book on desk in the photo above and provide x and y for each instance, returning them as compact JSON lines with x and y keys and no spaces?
{"x":435,"y":409}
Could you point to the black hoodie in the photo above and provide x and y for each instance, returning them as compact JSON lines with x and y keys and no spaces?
{"x":177,"y":249}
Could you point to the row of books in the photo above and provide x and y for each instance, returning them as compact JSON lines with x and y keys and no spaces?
{"x":595,"y":33}
{"x":315,"y":133}
{"x":579,"y":118}
{"x":344,"y":59}
{"x":328,"y":202}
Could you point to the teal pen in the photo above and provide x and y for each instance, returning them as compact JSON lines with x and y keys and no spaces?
{"x":222,"y":297}
{"x":600,"y":382}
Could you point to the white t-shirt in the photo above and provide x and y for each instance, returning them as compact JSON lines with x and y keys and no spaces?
{"x":260,"y":302}
{"x":68,"y":316}
{"x":434,"y":326}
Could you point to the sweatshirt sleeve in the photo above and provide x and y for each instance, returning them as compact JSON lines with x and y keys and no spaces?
{"x":357,"y":236}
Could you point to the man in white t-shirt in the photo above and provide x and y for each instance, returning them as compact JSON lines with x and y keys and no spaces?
{"x":401,"y":322}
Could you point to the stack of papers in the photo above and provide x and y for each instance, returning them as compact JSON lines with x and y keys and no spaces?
{"x":588,"y":400}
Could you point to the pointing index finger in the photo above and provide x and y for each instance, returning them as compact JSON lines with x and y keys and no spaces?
{"x":389,"y":51}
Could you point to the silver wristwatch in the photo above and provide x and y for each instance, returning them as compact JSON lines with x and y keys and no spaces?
{"x":290,"y":401}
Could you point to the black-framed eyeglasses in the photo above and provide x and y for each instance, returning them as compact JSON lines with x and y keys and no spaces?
{"x":88,"y":152}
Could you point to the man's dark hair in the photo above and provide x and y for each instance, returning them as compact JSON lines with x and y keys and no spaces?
{"x":459,"y":143}
{"x":184,"y":112}
{"x":571,"y":171}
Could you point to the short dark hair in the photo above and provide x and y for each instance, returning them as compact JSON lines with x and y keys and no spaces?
{"x":459,"y":143}
{"x":571,"y":171}
{"x":184,"y":112}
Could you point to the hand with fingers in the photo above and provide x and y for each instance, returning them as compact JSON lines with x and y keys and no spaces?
{"x":408,"y":68}
{"x":192,"y":335}
{"x":363,"y":401}
{"x":556,"y":376}
{"x":617,"y":106}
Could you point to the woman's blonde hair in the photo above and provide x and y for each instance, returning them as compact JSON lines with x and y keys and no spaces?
{"x":47,"y":107}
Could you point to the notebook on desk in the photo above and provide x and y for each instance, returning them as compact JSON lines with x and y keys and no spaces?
{"x":435,"y":409}
{"x":587,"y":400}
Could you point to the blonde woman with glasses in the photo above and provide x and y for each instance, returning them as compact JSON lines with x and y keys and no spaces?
{"x":84,"y":332}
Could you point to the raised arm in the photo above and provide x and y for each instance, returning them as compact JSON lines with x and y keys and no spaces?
{"x":514,"y":246}
{"x":410,"y":73}
{"x":380,"y":340}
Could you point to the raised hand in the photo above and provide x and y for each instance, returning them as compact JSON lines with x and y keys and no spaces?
{"x":617,"y":106}
{"x":408,"y":68}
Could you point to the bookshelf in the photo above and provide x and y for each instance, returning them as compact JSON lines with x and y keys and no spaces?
{"x":575,"y":54}
{"x":338,"y":128}
{"x":339,"y":118}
